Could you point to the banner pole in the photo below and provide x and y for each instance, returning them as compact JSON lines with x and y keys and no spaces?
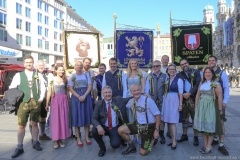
{"x":172,"y":54}
{"x":63,"y":41}
{"x":114,"y":17}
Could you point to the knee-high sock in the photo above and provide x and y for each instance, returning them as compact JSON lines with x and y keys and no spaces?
{"x":42,"y":128}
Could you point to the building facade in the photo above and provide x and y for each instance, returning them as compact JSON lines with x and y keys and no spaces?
{"x":162,"y":46}
{"x":226,"y":51}
{"x":35,"y":27}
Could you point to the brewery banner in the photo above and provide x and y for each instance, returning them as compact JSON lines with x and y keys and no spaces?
{"x":193,"y":43}
{"x":79,"y":45}
{"x":134,"y":45}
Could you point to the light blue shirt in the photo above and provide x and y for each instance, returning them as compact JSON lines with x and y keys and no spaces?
{"x":114,"y":122}
{"x":224,"y":79}
{"x":187,"y":86}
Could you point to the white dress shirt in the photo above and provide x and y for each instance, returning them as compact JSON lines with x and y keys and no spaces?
{"x":152,"y":110}
{"x":114,"y":122}
{"x":16,"y":82}
{"x":124,"y":84}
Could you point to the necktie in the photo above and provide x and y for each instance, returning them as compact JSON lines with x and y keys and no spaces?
{"x":109,"y":116}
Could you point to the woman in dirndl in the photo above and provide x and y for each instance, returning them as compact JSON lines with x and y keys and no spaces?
{"x":208,"y":109}
{"x":59,"y":124}
{"x":172,"y":103}
{"x":80,"y":86}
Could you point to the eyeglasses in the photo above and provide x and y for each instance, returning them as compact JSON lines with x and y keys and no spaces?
{"x":156,"y":66}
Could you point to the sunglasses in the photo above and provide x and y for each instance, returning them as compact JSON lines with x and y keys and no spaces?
{"x":156,"y":66}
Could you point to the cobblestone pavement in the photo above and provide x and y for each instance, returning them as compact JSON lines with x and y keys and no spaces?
{"x":184,"y":151}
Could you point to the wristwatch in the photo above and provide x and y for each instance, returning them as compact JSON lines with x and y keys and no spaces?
{"x":157,"y":129}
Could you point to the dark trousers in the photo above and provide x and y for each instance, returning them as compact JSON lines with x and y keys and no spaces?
{"x":115,"y":139}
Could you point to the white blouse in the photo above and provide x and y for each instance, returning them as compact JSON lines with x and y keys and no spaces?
{"x":206,"y":85}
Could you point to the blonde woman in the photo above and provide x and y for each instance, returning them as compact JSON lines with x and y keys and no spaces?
{"x":134,"y":76}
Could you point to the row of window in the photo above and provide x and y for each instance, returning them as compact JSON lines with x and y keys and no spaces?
{"x":162,"y":41}
{"x":166,"y":47}
{"x":3,"y":18}
{"x":3,"y":4}
{"x":44,"y":57}
{"x":19,"y":39}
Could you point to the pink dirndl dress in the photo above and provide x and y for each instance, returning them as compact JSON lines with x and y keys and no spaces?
{"x":59,"y":119}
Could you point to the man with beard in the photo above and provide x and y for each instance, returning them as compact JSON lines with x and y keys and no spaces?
{"x":116,"y":79}
{"x":191,"y":79}
{"x":86,"y":69}
{"x":223,"y":80}
{"x":99,"y":78}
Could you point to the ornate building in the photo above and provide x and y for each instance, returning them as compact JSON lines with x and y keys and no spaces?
{"x":208,"y":16}
{"x":225,"y":37}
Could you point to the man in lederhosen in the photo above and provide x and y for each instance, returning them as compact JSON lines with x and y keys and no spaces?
{"x":98,"y":80}
{"x":191,"y":79}
{"x":155,"y":85}
{"x":146,"y":122}
{"x":31,"y":84}
{"x":223,"y":80}
{"x":40,"y":69}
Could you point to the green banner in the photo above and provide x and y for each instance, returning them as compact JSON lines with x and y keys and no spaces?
{"x":193,"y":43}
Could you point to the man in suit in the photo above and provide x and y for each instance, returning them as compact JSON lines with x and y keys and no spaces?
{"x":191,"y":79}
{"x":106,"y":120}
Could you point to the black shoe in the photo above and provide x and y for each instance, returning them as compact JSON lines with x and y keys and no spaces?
{"x":169,"y":144}
{"x":101,"y":153}
{"x":44,"y":137}
{"x":195,"y":141}
{"x":124,"y":143}
{"x":37,"y":146}
{"x":17,"y":152}
{"x":129,"y":150}
{"x":214,"y":142}
{"x":155,"y":142}
{"x":183,"y":138}
{"x":90,"y":135}
{"x":223,"y":150}
{"x":174,"y":147}
{"x":162,"y":140}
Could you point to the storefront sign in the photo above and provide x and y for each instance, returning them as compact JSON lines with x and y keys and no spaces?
{"x":9,"y":53}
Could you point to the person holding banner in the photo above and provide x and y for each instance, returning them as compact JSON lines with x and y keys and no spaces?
{"x":155,"y":85}
{"x":191,"y":80}
{"x":116,"y":79}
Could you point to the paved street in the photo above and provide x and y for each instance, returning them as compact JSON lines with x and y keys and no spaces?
{"x":184,"y":151}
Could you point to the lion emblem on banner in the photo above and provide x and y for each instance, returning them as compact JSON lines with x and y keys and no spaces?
{"x":134,"y":46}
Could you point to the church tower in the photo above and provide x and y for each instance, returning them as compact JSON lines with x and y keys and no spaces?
{"x":208,"y":16}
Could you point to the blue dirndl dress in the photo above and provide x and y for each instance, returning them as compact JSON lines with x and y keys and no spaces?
{"x":81,"y":111}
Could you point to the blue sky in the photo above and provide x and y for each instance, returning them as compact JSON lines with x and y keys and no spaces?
{"x":141,"y":13}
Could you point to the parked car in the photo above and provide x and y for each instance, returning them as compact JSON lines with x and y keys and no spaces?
{"x":7,"y":71}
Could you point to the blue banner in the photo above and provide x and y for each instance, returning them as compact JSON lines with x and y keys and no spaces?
{"x":134,"y":44}
{"x":230,"y":29}
{"x":225,"y":36}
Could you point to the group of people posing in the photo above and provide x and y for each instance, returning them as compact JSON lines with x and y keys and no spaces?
{"x":123,"y":105}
